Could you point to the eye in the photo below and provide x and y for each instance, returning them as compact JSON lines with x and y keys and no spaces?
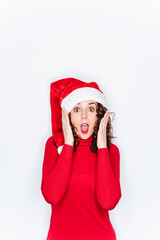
{"x":92,"y":108}
{"x":75,"y":108}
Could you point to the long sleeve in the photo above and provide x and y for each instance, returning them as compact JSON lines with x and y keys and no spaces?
{"x":108,"y":190}
{"x":56,"y":171}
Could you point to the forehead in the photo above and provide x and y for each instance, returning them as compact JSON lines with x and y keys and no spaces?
{"x":87,"y":102}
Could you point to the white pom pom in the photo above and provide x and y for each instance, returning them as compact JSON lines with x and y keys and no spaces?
{"x":60,"y":149}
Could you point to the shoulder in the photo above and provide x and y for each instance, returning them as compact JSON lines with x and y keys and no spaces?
{"x":51,"y":142}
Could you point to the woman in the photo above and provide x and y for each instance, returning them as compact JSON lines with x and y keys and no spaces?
{"x":82,"y":182}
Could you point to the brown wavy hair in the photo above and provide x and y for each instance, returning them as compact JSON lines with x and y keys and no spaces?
{"x":109,"y":129}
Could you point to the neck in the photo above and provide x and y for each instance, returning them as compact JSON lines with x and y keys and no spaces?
{"x":85,"y":142}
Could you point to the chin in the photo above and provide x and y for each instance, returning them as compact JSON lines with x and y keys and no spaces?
{"x":85,"y":135}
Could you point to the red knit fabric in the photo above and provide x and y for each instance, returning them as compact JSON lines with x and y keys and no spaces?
{"x":81,"y":187}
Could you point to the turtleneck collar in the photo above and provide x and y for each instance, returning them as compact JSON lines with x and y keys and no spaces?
{"x":85,"y":142}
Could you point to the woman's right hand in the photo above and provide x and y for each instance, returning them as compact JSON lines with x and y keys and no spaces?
{"x":67,"y":130}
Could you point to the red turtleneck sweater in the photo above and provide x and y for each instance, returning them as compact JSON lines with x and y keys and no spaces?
{"x":81,"y":187}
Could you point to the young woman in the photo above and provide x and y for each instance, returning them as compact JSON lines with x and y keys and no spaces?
{"x":82,"y":182}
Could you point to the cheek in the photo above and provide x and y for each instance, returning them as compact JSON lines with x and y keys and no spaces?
{"x":93,"y":120}
{"x":75,"y":119}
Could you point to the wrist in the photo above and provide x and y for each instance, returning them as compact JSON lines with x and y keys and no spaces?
{"x":102,"y":146}
{"x":69,"y":143}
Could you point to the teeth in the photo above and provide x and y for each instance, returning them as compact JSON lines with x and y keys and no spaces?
{"x":85,"y":125}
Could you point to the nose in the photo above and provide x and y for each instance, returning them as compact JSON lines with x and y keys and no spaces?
{"x":84,"y":114}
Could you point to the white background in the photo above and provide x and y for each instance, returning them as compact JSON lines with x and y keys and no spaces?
{"x":116,"y":44}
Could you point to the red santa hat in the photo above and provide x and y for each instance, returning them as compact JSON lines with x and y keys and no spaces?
{"x":67,"y":92}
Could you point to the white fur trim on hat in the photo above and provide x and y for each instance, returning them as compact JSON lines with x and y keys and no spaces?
{"x":83,"y":94}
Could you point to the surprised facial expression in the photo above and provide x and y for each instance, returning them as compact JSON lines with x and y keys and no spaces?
{"x":81,"y":113}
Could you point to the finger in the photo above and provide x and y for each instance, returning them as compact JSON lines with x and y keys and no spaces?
{"x":66,"y":117}
{"x":107,"y":114}
{"x":107,"y":118}
{"x":64,"y":111}
{"x":104,"y":120}
{"x":63,"y":119}
{"x":66,"y":114}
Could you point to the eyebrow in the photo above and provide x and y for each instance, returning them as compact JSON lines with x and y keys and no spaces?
{"x":88,"y":103}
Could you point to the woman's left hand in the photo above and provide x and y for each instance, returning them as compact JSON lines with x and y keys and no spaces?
{"x":101,"y":136}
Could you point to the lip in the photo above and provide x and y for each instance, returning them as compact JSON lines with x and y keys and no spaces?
{"x":85,"y":123}
{"x":85,"y":132}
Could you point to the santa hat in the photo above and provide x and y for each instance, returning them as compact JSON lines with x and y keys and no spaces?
{"x":67,"y":92}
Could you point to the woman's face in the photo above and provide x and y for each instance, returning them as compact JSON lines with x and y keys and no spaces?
{"x":84,"y":112}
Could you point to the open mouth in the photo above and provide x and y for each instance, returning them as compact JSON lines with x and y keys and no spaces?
{"x":84,"y":127}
